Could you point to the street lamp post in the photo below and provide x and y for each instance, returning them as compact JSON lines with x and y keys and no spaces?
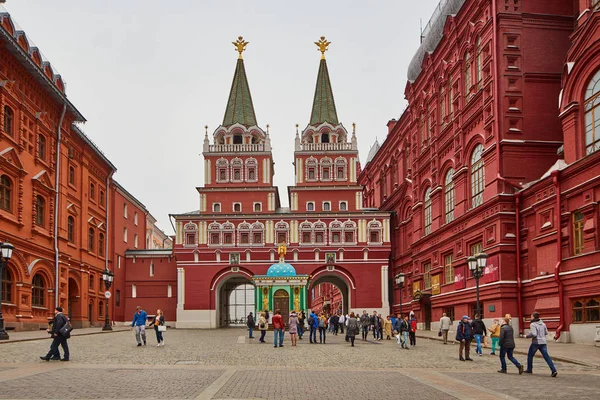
{"x":6,"y":253}
{"x":400,"y":283}
{"x":477,"y":267}
{"x":107,"y":277}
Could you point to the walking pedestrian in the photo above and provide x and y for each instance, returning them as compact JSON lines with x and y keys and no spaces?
{"x":464,"y":335}
{"x":58,"y":339}
{"x":364,"y":323}
{"x":250,"y":324}
{"x":479,"y":332}
{"x":375,"y":323}
{"x":263,"y":325}
{"x":159,"y":320}
{"x":507,"y":345}
{"x":495,"y":334}
{"x":387,"y":327}
{"x":445,"y":322}
{"x":322,"y":328}
{"x":352,"y":328}
{"x":404,"y":331}
{"x":313,"y":323}
{"x":301,"y":319}
{"x":139,"y":323}
{"x":293,"y":327}
{"x":278,"y":328}
{"x":341,"y":322}
{"x":537,"y":333}
{"x":413,"y":329}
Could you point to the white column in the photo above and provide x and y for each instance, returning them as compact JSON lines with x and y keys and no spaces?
{"x":385,"y":295}
{"x":180,"y":288}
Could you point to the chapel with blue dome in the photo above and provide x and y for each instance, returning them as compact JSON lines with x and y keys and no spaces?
{"x":281,"y":269}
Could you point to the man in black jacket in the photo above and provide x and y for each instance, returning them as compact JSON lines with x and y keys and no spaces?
{"x":479,"y":331}
{"x":59,"y":321}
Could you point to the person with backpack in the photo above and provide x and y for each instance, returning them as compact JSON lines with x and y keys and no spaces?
{"x":322,"y":328}
{"x":313,"y":324}
{"x":60,"y":332}
{"x":464,"y":335}
{"x":263,"y":325}
{"x":250,"y":325}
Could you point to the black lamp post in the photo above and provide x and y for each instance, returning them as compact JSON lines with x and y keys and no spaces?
{"x":477,"y":267}
{"x":7,"y":250}
{"x":107,"y":277}
{"x":400,"y":283}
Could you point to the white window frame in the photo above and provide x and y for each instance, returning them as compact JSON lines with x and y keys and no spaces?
{"x":215,"y":205}
{"x":345,"y":203}
{"x":328,"y":204}
{"x":237,"y":204}
{"x":313,"y":206}
{"x":259,"y":206}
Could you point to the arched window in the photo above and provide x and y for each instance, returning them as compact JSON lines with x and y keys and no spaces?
{"x":326,"y":169}
{"x":7,"y":286}
{"x":42,"y":147}
{"x":282,"y":229}
{"x":237,"y":207}
{"x":37,"y":291}
{"x":468,"y":80}
{"x":6,"y":190}
{"x":479,"y":64}
{"x":125,"y":210}
{"x":592,"y":115}
{"x":135,"y":241}
{"x":320,"y":232}
{"x":251,"y":170}
{"x":71,"y":229}
{"x":71,"y":175}
{"x":236,"y":170}
{"x":100,"y":309}
{"x":101,"y":244}
{"x":135,"y":218}
{"x":349,"y":232}
{"x":427,"y":212}
{"x":324,"y":137}
{"x":375,"y":232}
{"x":92,"y":191}
{"x":449,"y":196}
{"x":477,"y":176}
{"x":258,"y":230}
{"x":335,"y":232}
{"x":40,"y":211}
{"x":306,"y":232}
{"x":91,"y":239}
{"x":216,"y":207}
{"x":228,"y":229}
{"x":340,"y":169}
{"x":9,"y":118}
{"x":244,"y":233}
{"x":214,"y":230}
{"x":125,"y":235}
{"x":343,"y":206}
{"x":311,"y":169}
{"x":443,"y":101}
{"x":238,"y":139}
{"x":257,"y":207}
{"x":578,"y":224}
{"x":310,"y":206}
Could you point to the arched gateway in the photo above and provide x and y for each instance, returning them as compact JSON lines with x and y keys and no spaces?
{"x":241,"y":236}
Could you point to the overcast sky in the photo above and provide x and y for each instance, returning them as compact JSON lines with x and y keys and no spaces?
{"x":148,"y":75}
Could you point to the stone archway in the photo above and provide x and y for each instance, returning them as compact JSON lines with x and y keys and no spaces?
{"x":340,"y":284}
{"x":235,"y":298}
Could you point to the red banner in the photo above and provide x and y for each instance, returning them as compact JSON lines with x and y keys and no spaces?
{"x":460,"y":280}
{"x":492,"y":270}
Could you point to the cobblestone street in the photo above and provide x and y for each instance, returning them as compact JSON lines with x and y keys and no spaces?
{"x":225,"y":364}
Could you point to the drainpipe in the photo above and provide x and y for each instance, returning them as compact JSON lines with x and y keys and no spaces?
{"x":518,"y":246}
{"x":107,"y":203}
{"x":561,"y":306}
{"x":56,"y":206}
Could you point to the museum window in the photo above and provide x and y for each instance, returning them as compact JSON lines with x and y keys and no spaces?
{"x":135,"y":218}
{"x":6,"y":191}
{"x":343,"y":206}
{"x":125,"y":235}
{"x":71,"y":229}
{"x":100,"y":309}
{"x":124,"y":210}
{"x":450,"y":99}
{"x":91,"y":239}
{"x":449,"y":268}
{"x":7,"y":286}
{"x":135,"y":241}
{"x":427,"y":275}
{"x":477,"y":176}
{"x":101,"y":244}
{"x":102,"y":199}
{"x":216,"y":207}
{"x":478,"y":64}
{"x":427,"y":212}
{"x":586,"y":310}
{"x":468,"y":80}
{"x":592,"y":115}
{"x":91,"y":282}
{"x":449,"y":196}
{"x":92,"y":191}
{"x":578,"y":224}
{"x":37,"y":291}
{"x":476,"y":248}
{"x":237,"y":207}
{"x":443,"y":101}
{"x":310,"y":206}
{"x":326,"y":206}
{"x":9,"y":118}
{"x":40,"y":211}
{"x":71,"y":175}
{"x":257,"y":207}
{"x":422,"y":130}
{"x":42,"y":147}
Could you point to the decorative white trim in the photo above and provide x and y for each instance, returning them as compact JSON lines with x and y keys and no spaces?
{"x":339,"y":272}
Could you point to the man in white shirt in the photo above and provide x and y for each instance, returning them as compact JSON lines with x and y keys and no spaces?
{"x":445,"y":326}
{"x":342,"y":322}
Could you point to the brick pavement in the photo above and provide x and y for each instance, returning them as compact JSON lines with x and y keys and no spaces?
{"x":226,"y":364}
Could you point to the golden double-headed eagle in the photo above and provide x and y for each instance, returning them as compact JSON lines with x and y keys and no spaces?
{"x":240,"y":45}
{"x":323,"y":45}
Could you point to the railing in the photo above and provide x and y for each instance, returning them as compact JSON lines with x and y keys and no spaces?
{"x":325,"y":146}
{"x":226,"y":148}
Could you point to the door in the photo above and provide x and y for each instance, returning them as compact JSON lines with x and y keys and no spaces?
{"x":281,"y":301}
{"x":427,"y":316}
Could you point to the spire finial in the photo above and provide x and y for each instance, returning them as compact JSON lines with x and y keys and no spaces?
{"x":240,"y":45}
{"x":354,"y":128}
{"x":268,"y":128}
{"x":323,"y":45}
{"x":206,"y":130}
{"x":296,"y":129}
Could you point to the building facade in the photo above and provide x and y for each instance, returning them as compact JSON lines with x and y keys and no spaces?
{"x":483,"y":160}
{"x":227,"y":251}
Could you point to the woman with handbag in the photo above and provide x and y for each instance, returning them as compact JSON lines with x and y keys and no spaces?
{"x":263,"y":325}
{"x":159,"y":327}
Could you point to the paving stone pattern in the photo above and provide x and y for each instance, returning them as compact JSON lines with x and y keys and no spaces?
{"x":285,"y":384}
{"x":110,"y":383}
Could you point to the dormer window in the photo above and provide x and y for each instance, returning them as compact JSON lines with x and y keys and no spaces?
{"x":238,"y":139}
{"x":324,"y":137}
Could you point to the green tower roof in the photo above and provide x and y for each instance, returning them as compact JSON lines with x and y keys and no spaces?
{"x":240,"y":109}
{"x":323,"y":109}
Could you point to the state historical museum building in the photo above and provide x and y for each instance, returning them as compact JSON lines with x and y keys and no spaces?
{"x":497,"y":152}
